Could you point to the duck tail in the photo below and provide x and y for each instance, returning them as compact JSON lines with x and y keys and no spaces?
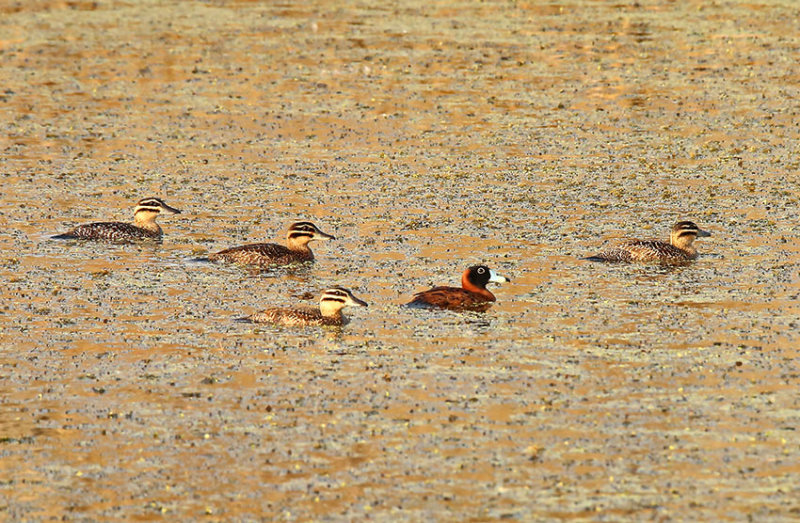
{"x":594,"y":259}
{"x":65,"y":236}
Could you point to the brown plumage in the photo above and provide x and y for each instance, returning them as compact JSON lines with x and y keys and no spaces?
{"x":143,"y":228}
{"x":680,"y":248}
{"x":473,"y":293}
{"x":329,"y":312}
{"x":272,"y":254}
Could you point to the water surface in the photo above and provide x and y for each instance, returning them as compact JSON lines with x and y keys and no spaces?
{"x":427,"y":137}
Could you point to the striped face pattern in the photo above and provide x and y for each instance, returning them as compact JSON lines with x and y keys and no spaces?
{"x":143,"y":228}
{"x":341,"y":297}
{"x":331,"y":303}
{"x":302,"y":230}
{"x":685,"y":228}
{"x":680,"y":248}
{"x":684,"y":233}
{"x":154,"y":205}
{"x":273,"y":255}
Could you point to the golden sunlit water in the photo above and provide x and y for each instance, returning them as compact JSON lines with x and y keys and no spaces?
{"x":427,"y":137}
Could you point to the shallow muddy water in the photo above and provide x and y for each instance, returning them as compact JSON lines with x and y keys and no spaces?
{"x":427,"y":137}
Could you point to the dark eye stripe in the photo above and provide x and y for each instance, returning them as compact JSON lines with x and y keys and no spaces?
{"x":688,"y":233}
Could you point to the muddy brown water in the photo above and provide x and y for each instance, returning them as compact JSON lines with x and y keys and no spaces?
{"x":427,"y":136}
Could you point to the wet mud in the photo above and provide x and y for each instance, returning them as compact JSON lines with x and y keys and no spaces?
{"x":427,"y":137}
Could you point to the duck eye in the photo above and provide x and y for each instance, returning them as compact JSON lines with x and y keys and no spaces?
{"x":481,"y":270}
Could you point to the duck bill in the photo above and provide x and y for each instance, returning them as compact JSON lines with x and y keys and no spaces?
{"x":702,"y":234}
{"x":497,"y":278}
{"x":319,"y":235}
{"x":356,"y":302}
{"x":169,"y":210}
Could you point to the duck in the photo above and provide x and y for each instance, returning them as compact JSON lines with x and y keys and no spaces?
{"x":679,"y":249}
{"x":143,"y":228}
{"x":272,"y":254}
{"x":472,"y":294}
{"x":331,"y":303}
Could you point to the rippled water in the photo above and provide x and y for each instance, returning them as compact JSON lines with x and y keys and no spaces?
{"x":427,"y":137}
